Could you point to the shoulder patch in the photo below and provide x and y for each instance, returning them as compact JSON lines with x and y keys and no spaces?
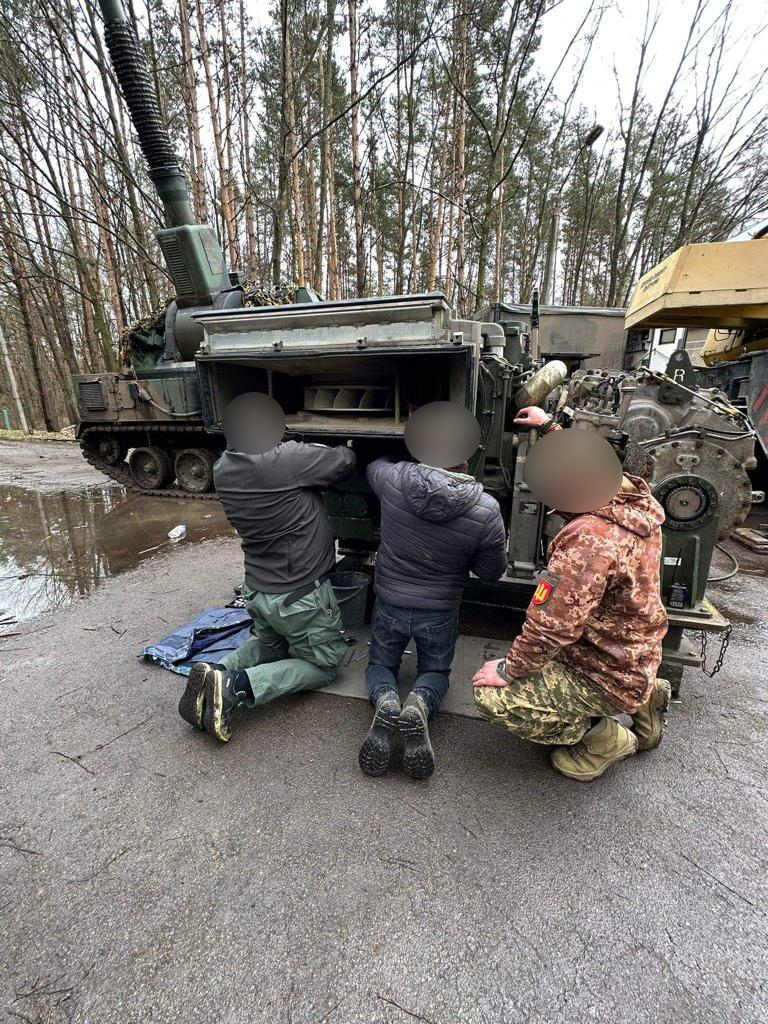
{"x":545,"y":588}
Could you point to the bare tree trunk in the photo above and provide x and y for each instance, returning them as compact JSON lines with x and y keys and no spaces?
{"x":8,"y":232}
{"x":460,"y":130}
{"x":12,"y":382}
{"x":250,"y":233}
{"x":227,"y":211}
{"x":436,"y":232}
{"x":189,"y":95}
{"x":357,"y":202}
{"x":298,"y":229}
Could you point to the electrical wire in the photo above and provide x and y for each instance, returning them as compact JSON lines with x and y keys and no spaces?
{"x":728,"y":575}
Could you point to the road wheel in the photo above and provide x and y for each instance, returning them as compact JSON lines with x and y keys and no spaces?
{"x":151,"y":468}
{"x":111,"y":449}
{"x":194,"y":470}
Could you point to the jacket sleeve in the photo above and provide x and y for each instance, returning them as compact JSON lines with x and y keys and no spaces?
{"x":315,"y":465}
{"x":490,"y":561}
{"x":581,"y":565}
{"x":378,"y":471}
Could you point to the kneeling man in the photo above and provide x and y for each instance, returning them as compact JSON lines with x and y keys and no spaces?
{"x":591,"y":643}
{"x":271,"y":493}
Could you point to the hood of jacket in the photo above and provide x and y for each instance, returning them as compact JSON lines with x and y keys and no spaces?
{"x":437,"y":494}
{"x":637,"y":511}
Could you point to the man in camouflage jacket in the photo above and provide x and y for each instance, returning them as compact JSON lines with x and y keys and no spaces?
{"x":591,"y":643}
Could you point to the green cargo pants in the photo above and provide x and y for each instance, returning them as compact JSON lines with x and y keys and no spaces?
{"x":553,"y":706}
{"x":298,"y":647}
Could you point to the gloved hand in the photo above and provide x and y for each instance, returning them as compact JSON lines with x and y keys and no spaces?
{"x":488,"y":675}
{"x":531,"y":416}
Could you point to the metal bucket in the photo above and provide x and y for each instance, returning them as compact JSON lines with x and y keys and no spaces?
{"x":351,"y":590}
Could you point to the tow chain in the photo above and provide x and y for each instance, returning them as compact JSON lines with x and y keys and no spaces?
{"x":721,"y":654}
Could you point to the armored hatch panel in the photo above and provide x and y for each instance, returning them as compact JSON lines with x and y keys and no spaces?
{"x":349,"y":368}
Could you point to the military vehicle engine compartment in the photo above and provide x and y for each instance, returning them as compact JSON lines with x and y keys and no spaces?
{"x":335,"y":395}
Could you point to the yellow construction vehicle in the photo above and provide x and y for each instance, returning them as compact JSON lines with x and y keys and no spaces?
{"x":722,"y":286}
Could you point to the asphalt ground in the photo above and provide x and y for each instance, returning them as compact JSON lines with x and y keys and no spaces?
{"x":150,"y":874}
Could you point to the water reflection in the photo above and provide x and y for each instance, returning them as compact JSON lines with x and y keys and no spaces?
{"x":58,"y":547}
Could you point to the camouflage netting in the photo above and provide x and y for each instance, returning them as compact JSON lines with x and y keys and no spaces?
{"x":275,"y":295}
{"x":141,"y":343}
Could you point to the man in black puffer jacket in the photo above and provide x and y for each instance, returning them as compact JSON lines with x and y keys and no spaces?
{"x":437,"y":525}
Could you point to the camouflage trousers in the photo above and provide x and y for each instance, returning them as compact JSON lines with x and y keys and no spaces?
{"x":553,"y":706}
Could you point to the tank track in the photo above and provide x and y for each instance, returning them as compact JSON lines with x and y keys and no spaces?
{"x":122,"y":474}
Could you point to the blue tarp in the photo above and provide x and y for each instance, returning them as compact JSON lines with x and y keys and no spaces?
{"x":208,"y":637}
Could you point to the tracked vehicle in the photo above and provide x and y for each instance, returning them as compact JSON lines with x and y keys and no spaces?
{"x":355,"y":370}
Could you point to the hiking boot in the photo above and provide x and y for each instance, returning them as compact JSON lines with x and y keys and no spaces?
{"x":418,"y":756}
{"x":193,"y":698}
{"x":224,"y":691}
{"x":649,"y":721}
{"x":376,"y":750}
{"x":604,"y":745}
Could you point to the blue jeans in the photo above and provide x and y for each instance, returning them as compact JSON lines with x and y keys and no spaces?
{"x":435,"y":632}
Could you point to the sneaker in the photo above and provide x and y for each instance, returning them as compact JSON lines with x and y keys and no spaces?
{"x":376,"y":750}
{"x":605,"y":744}
{"x":193,"y":698}
{"x":221,"y":699}
{"x":649,"y":721}
{"x":418,"y":756}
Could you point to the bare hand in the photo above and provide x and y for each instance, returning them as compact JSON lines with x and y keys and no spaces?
{"x":488,"y":675}
{"x":531,"y":416}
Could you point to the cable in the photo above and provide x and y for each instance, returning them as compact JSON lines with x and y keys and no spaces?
{"x":729,"y":575}
{"x":197,"y":412}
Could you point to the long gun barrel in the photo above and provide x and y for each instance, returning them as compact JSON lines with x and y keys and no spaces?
{"x":192,"y":251}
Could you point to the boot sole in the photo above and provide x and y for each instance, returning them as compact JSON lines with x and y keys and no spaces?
{"x":418,"y":755}
{"x":582,"y":777}
{"x":192,"y":700}
{"x":662,"y":698}
{"x":376,"y":751}
{"x":213,"y":706}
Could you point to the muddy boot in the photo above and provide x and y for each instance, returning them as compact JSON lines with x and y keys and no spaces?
{"x":649,"y":721}
{"x":224,"y":691}
{"x":376,"y":750}
{"x":418,"y":756}
{"x":604,"y":745}
{"x":193,"y":698}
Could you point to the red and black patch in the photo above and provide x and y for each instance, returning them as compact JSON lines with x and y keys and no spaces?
{"x":545,"y":588}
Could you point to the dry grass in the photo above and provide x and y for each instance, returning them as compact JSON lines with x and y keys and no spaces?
{"x":67,"y":434}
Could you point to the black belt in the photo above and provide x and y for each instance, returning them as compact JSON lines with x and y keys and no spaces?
{"x":296,"y":595}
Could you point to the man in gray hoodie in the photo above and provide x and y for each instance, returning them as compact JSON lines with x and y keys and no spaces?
{"x":437,"y":525}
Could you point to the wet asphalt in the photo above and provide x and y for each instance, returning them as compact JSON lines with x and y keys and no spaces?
{"x":149,"y":874}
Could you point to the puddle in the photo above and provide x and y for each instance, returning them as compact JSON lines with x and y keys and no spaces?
{"x":58,"y":547}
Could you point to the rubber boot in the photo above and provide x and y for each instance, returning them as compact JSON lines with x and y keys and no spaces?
{"x":418,"y":756}
{"x":222,"y":696}
{"x":376,"y":751}
{"x":193,"y":699}
{"x":604,"y":745}
{"x":649,"y":721}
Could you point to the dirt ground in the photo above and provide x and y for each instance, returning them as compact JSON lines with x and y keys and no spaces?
{"x":45,"y":466}
{"x":148,"y":874}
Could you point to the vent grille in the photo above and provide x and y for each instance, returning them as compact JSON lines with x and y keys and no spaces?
{"x":177,"y":268}
{"x":92,"y":395}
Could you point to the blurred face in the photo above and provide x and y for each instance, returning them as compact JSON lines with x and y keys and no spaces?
{"x":573,"y":471}
{"x":253,"y":423}
{"x":442,"y":434}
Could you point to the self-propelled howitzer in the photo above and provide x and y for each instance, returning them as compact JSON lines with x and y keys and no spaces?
{"x":152,"y":409}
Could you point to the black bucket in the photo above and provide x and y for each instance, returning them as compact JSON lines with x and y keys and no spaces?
{"x":351,"y":590}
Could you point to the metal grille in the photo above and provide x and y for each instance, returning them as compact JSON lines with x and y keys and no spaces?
{"x":92,"y":395}
{"x":176,"y":265}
